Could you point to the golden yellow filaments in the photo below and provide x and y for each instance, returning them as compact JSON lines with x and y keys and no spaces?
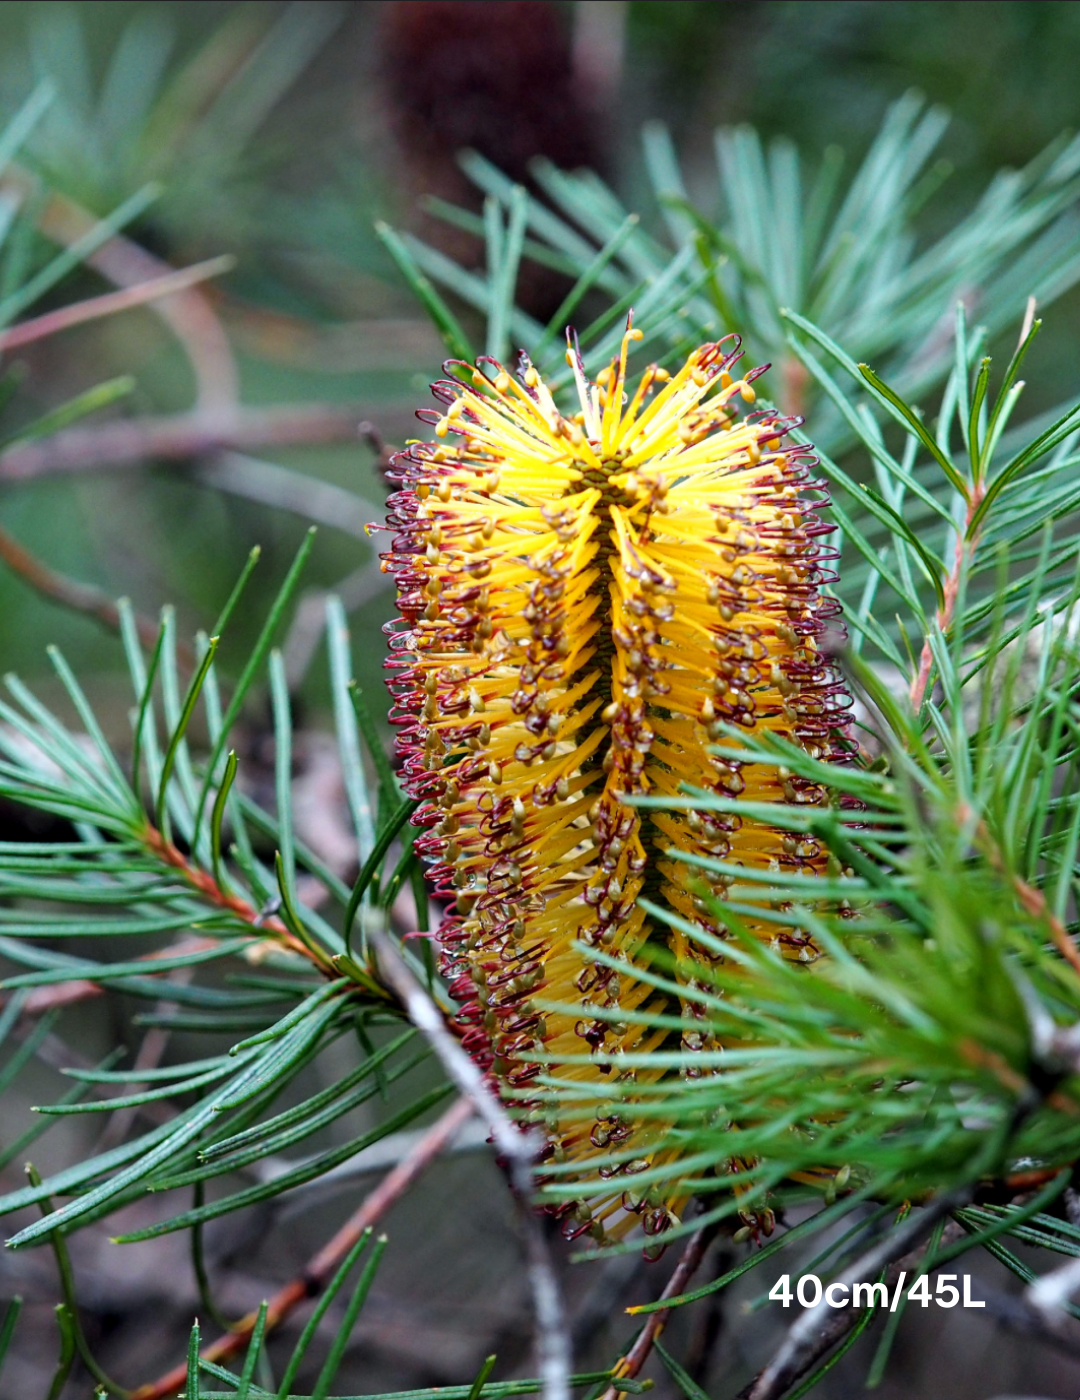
{"x":586,"y":602}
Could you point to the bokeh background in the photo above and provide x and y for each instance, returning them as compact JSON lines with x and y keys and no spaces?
{"x":279,"y":134}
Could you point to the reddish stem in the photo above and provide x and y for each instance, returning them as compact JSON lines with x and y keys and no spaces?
{"x":71,"y":593}
{"x":629,"y":1365}
{"x":94,"y":308}
{"x":965,"y":549}
{"x":209,"y":888}
{"x":313,"y":1279}
{"x":79,"y":989}
{"x":1032,"y":900}
{"x":178,"y":436}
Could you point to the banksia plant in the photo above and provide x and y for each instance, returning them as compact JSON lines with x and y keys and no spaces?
{"x":590,"y":606}
{"x":740,"y":977}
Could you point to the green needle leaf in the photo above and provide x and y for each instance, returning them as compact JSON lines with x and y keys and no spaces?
{"x":481,"y":1377}
{"x":905,"y":414}
{"x":344,"y":1332}
{"x":7,"y":1327}
{"x":243,"y":1390}
{"x":191,"y":1390}
{"x":311,"y":1327}
{"x":177,"y":736}
{"x":252,"y":669}
{"x":217,"y":817}
{"x":226,"y":613}
{"x":447,"y":324}
{"x":383,"y":843}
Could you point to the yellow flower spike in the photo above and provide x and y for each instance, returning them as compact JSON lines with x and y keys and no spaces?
{"x":585,"y":603}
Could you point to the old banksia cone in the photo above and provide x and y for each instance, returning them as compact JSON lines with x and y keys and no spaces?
{"x":587,"y":604}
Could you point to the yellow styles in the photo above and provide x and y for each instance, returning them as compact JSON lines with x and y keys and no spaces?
{"x":585,"y":602}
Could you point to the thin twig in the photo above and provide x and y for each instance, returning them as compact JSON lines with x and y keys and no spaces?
{"x":313,"y":1278}
{"x":111,"y":303}
{"x":369,"y":1161}
{"x":803,"y":1342}
{"x":188,"y":313}
{"x":1049,"y":1294}
{"x":203,"y":882}
{"x":841,"y":1321}
{"x":315,"y":500}
{"x":319,"y":501}
{"x":1016,"y":1314}
{"x":629,"y":1365}
{"x":945,"y":611}
{"x":79,"y":989}
{"x":1020,"y":1316}
{"x":384,"y":451}
{"x":965,"y":550}
{"x":178,"y":436}
{"x":80,"y":597}
{"x":519,"y":1149}
{"x":1034,"y":902}
{"x":206,"y":885}
{"x":1031,"y":899}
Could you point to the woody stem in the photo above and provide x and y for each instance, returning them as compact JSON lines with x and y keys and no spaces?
{"x":965,"y":552}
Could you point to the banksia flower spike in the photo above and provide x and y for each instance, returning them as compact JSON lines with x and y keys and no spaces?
{"x":586,"y":603}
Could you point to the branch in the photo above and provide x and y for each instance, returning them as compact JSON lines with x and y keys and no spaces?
{"x":111,"y":303}
{"x":808,"y":1338}
{"x":518,"y":1148}
{"x":1032,"y":900}
{"x":1034,"y":903}
{"x":1016,"y":1314}
{"x":373,"y":1160}
{"x":80,"y":597}
{"x":178,"y":436}
{"x":313,"y":1278}
{"x":275,"y":485}
{"x":207,"y":886}
{"x":837,"y":1326}
{"x":188,"y":313}
{"x":965,"y":550}
{"x":1049,"y":1294}
{"x":628,"y":1366}
{"x":1025,"y":1316}
{"x":80,"y":989}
